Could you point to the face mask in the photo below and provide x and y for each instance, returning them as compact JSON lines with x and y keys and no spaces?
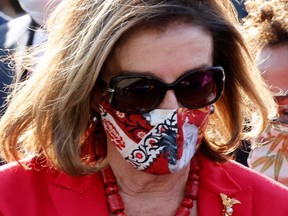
{"x":39,"y":10}
{"x":159,"y":142}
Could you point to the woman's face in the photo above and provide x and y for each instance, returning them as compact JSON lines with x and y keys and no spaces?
{"x":164,"y":138}
{"x":274,"y":67}
{"x":166,"y":55}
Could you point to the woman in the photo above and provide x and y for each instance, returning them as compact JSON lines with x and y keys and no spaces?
{"x":147,"y":73}
{"x":269,"y":22}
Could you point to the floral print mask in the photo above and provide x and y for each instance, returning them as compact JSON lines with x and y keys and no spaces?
{"x":160,"y":142}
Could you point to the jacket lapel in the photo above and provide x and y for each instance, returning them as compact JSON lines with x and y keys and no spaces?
{"x":214,"y":180}
{"x":83,"y":195}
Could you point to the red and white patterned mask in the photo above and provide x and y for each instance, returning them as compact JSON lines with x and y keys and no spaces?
{"x":159,"y":142}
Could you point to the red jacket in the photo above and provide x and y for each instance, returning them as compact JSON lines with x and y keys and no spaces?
{"x":43,"y":191}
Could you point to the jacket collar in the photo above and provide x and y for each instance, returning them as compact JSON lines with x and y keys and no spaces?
{"x":84,"y":195}
{"x":215,"y":179}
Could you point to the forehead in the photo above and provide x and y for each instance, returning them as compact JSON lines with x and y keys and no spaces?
{"x":170,"y":52}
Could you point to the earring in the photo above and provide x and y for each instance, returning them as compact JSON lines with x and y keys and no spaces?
{"x":94,"y":138}
{"x":94,"y":117}
{"x":212,"y":109}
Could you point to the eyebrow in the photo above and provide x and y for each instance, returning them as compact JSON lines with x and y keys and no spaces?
{"x":150,"y":73}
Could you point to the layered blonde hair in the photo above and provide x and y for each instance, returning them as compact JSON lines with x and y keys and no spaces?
{"x":48,"y":114}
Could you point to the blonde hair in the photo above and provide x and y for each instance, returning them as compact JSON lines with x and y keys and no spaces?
{"x":48,"y":113}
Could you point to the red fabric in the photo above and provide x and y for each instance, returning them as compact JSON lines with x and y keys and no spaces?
{"x":43,"y":191}
{"x":135,"y":126}
{"x":259,"y":196}
{"x":197,"y":117}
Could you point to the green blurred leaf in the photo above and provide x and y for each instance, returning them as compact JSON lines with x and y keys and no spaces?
{"x":285,"y":142}
{"x":268,"y":163}
{"x":285,"y":152}
{"x":259,"y":161}
{"x":276,"y":142}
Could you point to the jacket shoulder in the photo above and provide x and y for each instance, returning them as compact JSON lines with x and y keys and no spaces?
{"x":37,"y":189}
{"x":257,"y":194}
{"x":30,"y":170}
{"x":245,"y":176}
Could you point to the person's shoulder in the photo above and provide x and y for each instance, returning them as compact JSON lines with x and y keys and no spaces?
{"x":25,"y":171}
{"x":257,"y":194}
{"x":244,"y":177}
{"x":247,"y":178}
{"x":34,"y":180}
{"x":22,"y":182}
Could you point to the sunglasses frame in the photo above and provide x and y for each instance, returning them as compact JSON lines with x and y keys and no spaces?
{"x":168,"y":86}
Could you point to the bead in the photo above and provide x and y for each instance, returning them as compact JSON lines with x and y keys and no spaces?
{"x":121,"y":214}
{"x":194,"y":166}
{"x":115,"y":203}
{"x":191,"y":189}
{"x":111,"y":189}
{"x":229,"y":211}
{"x":193,"y":176}
{"x":188,"y":188}
{"x":194,"y":193}
{"x":187,"y":202}
{"x":182,"y":211}
{"x":108,"y":176}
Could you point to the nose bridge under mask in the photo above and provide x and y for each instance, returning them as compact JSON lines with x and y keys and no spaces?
{"x":169,"y":101}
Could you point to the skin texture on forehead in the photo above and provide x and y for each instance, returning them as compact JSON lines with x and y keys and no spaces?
{"x":165,"y":54}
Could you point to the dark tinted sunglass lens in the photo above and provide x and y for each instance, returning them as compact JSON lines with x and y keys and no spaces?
{"x":200,"y":89}
{"x":136,"y":95}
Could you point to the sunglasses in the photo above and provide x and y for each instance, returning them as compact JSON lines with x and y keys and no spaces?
{"x":142,"y":94}
{"x":282,"y":99}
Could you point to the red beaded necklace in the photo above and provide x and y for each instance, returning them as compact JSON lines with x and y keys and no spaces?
{"x":116,"y":204}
